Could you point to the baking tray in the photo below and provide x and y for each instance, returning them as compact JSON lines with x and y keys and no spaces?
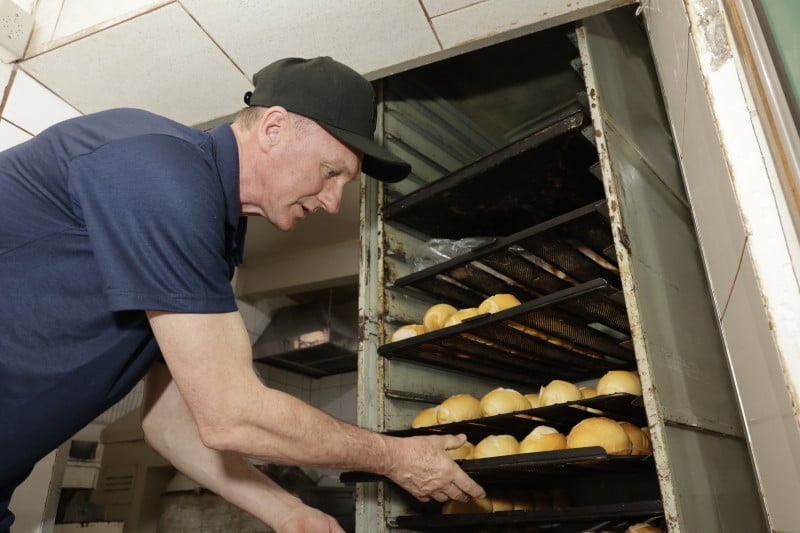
{"x":572,"y":519}
{"x":574,"y":334}
{"x":559,"y":253}
{"x":575,"y":462}
{"x":541,"y":176}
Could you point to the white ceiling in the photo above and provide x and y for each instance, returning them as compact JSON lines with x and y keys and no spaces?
{"x":192,"y":60}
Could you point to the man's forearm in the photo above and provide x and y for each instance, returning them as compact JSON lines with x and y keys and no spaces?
{"x":170,"y":430}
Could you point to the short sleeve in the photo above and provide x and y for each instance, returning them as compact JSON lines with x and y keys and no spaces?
{"x":154,"y":210}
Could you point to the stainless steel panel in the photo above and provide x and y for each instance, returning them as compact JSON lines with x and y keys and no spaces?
{"x":688,"y":394}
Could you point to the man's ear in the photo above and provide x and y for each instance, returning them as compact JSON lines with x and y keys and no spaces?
{"x":271,"y":127}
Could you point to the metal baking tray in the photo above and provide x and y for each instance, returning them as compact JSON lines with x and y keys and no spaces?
{"x":573,"y":334}
{"x":531,"y":180}
{"x":572,"y":462}
{"x":554,"y":255}
{"x":572,"y":519}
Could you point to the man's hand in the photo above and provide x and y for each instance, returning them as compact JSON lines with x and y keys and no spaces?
{"x":421,"y":466}
{"x":304,"y":519}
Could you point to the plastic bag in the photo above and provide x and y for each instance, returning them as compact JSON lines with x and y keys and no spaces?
{"x":437,"y":251}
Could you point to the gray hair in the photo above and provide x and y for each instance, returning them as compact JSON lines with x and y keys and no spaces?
{"x":248,"y":117}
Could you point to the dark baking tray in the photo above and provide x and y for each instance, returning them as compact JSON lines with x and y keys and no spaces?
{"x":554,"y":255}
{"x":531,"y":180}
{"x":527,"y":466}
{"x":571,"y":519}
{"x":573,"y":334}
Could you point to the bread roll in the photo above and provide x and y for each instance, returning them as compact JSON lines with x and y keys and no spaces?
{"x":588,"y":392}
{"x":436,"y":316}
{"x":457,"y":408}
{"x":496,"y":446}
{"x":498,"y":302}
{"x":643,"y":528}
{"x":558,"y":391}
{"x":543,"y":439}
{"x":640,"y":441}
{"x":533,"y":399}
{"x":600,"y":431}
{"x":500,"y":401}
{"x":460,"y":315}
{"x":502,"y":502}
{"x":473,"y":506}
{"x":425,"y":418}
{"x":408,"y":331}
{"x":619,"y":381}
{"x":524,"y":503}
{"x":464,"y":451}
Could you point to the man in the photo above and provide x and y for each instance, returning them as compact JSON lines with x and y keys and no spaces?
{"x":119,"y":235}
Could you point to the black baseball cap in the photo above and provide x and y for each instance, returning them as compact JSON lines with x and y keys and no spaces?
{"x":337,"y":98}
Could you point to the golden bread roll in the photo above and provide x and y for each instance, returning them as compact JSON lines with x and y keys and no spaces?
{"x":473,"y":506}
{"x":523,"y":503}
{"x":640,"y":441}
{"x":558,"y":391}
{"x":533,"y":399}
{"x":425,"y":418}
{"x":437,"y":315}
{"x":457,"y":408}
{"x":543,"y":439}
{"x":643,"y":528}
{"x":408,"y":331}
{"x":496,"y":446}
{"x":459,"y":316}
{"x":502,"y":503}
{"x":498,"y":302}
{"x":619,"y":381}
{"x":600,"y":431}
{"x":588,"y":392}
{"x":464,"y":451}
{"x":501,"y":401}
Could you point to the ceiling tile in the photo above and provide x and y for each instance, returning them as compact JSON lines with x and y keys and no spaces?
{"x":11,"y":135}
{"x":161,"y":61}
{"x":78,"y":15}
{"x":495,"y":17}
{"x":366,"y":34}
{"x":32,"y":107}
{"x":439,"y":7}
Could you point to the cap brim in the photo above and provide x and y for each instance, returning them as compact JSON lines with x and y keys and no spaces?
{"x":378,"y":163}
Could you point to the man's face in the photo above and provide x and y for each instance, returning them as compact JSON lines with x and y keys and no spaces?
{"x":302,"y":174}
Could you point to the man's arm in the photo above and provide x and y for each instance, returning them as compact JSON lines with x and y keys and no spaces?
{"x":170,"y":429}
{"x":210,"y":359}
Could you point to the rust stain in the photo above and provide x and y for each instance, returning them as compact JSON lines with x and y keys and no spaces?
{"x":598,"y":133}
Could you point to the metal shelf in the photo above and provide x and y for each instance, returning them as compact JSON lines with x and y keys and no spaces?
{"x":573,"y":334}
{"x":534,"y":179}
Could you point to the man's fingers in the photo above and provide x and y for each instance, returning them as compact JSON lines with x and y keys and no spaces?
{"x":454,"y":441}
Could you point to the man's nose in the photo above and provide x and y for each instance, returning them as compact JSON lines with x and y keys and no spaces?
{"x":331,"y":196}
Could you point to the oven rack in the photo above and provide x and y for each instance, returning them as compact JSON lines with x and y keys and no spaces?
{"x":556,"y":254}
{"x":608,"y":517}
{"x":572,"y":462}
{"x":574,"y":334}
{"x":619,"y":406}
{"x":543,"y":175}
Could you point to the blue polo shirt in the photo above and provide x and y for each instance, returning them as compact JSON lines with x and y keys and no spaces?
{"x":101,"y":218}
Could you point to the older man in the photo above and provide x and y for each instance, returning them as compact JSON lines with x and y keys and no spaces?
{"x":120,"y":232}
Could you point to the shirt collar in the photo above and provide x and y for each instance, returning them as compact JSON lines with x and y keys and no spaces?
{"x":226,"y":157}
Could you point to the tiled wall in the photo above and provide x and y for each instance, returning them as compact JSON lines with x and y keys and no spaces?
{"x":336,"y":395}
